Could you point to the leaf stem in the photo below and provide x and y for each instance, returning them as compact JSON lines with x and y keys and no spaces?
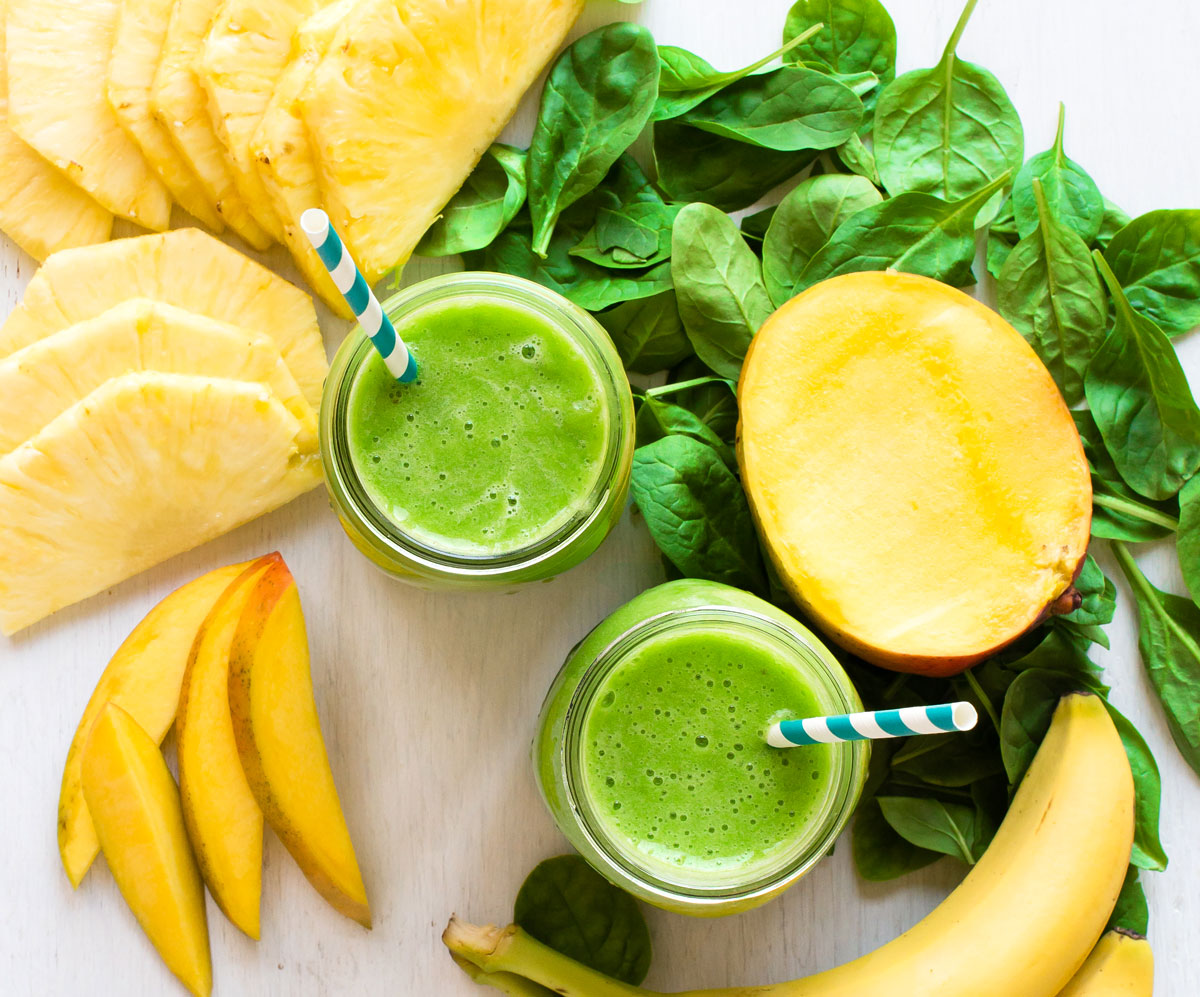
{"x":695,"y":382}
{"x":1133,"y":574}
{"x":924,"y":746}
{"x":1059,"y":154}
{"x":959,"y":28}
{"x":1136,"y":510}
{"x":984,"y":700}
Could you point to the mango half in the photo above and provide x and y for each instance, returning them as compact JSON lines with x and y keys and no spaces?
{"x":915,"y":474}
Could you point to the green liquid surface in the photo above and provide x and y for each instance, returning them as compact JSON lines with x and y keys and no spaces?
{"x":498,"y":444}
{"x":676,"y":764}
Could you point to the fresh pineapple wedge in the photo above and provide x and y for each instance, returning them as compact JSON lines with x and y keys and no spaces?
{"x":182,"y":107}
{"x":185,"y":268}
{"x":43,"y":380}
{"x":146,"y":467}
{"x":283,"y":155}
{"x":58,"y":54}
{"x":141,"y":31}
{"x":400,"y":113}
{"x":40,"y":209}
{"x":244,"y":54}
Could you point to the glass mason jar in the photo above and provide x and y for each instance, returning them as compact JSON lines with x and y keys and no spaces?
{"x":560,"y":748}
{"x":420,"y":562}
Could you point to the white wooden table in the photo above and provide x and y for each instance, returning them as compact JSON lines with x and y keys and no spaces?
{"x":445,"y":824}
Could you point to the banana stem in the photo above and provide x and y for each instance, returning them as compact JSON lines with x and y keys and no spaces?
{"x":507,"y":983}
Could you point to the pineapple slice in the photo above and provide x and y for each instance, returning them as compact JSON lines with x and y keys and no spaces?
{"x":43,"y":380}
{"x":185,"y":268}
{"x":399,"y":115}
{"x":146,"y":467}
{"x":283,"y":155}
{"x":40,"y":209}
{"x":247,"y":48}
{"x":141,"y":30}
{"x":182,"y":107}
{"x":58,"y":52}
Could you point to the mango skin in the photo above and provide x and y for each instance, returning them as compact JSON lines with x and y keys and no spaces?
{"x":915,"y":475}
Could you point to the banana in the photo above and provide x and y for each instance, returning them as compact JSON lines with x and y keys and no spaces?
{"x":1121,"y":965}
{"x":1021,"y":923}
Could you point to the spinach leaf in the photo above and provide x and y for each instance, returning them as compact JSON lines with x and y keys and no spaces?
{"x":754,"y":226}
{"x":858,"y":159}
{"x":951,"y":828}
{"x":1147,"y":787}
{"x":1049,"y":291}
{"x":598,"y":97}
{"x":1001,"y":238}
{"x":566,"y":904}
{"x":787,"y":110}
{"x":1097,"y":608}
{"x":685,"y":79}
{"x":696,"y":512}
{"x":482,"y":209}
{"x":1169,"y":642}
{"x":948,"y":130}
{"x":879,"y":852}
{"x":1113,"y":220}
{"x":648,"y":333}
{"x":629,"y":237}
{"x":719,"y":286}
{"x":657,"y":418}
{"x":1072,"y":195}
{"x":951,"y":761}
{"x":1156,"y":258}
{"x":1139,"y":396}
{"x":1118,"y":512}
{"x":804,"y":222}
{"x":916,"y":233}
{"x":710,"y":399}
{"x":1187,"y":543}
{"x":1132,"y":913}
{"x":694,"y":165}
{"x":858,"y":36}
{"x":1028,"y":709}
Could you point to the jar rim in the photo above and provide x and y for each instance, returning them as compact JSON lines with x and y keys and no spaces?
{"x":356,"y":504}
{"x":820,"y":831}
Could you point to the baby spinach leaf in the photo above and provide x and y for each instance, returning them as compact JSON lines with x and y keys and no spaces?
{"x":566,"y":904}
{"x":916,"y":233}
{"x":718,"y":283}
{"x":947,"y":130}
{"x":1187,"y":543}
{"x":598,"y":97}
{"x":696,"y":512}
{"x":754,"y":226}
{"x":1112,"y":221}
{"x":694,"y":165}
{"x":482,"y":209}
{"x":1072,"y":195}
{"x":1139,"y":396}
{"x":950,"y":760}
{"x":804,"y":222}
{"x":1001,"y":238}
{"x":1147,"y":788}
{"x":859,"y":159}
{"x":1156,"y":258}
{"x":1049,"y":291}
{"x":1132,"y":913}
{"x":1096,"y":610}
{"x":710,"y":399}
{"x":648,"y":333}
{"x":858,"y":36}
{"x":1028,"y":709}
{"x":686,"y":80}
{"x":638,"y":235}
{"x":1169,"y":642}
{"x":657,"y":418}
{"x":879,"y":852}
{"x":951,"y":828}
{"x":787,"y":110}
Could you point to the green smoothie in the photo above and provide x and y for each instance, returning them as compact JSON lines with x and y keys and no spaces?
{"x":676,"y":764}
{"x":498,"y":445}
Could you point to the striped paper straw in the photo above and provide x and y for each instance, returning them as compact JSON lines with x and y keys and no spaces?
{"x":352,"y":285}
{"x":872,"y":726}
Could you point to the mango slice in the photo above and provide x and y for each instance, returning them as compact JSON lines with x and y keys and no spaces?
{"x":279,"y":740}
{"x":135,"y":805}
{"x":915,"y":474}
{"x":222,"y":818}
{"x":143,"y":678}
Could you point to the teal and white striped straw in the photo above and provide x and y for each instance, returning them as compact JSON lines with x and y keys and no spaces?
{"x":873,"y":725}
{"x":352,"y":286}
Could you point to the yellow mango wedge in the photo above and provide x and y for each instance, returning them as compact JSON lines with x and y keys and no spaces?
{"x":135,"y":803}
{"x":222,"y":818}
{"x":143,"y":678}
{"x":279,"y":740}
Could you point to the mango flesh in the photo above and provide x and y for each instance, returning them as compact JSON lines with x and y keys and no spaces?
{"x":279,"y":740}
{"x":222,"y":817}
{"x":916,"y":477}
{"x":143,"y":678}
{"x":135,"y":805}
